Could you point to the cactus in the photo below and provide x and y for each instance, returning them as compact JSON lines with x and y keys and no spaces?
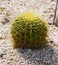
{"x":29,"y":31}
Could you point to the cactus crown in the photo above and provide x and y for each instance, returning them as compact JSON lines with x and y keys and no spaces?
{"x":29,"y":31}
{"x":28,"y":16}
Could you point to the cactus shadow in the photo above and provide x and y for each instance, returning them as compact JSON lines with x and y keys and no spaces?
{"x":45,"y":56}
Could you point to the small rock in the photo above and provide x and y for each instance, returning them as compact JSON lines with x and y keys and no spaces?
{"x":0,"y":36}
{"x":52,"y":0}
{"x":50,"y":8}
{"x":51,"y":41}
{"x":6,"y":20}
{"x":49,"y":23}
{"x":1,"y":55}
{"x":29,"y":50}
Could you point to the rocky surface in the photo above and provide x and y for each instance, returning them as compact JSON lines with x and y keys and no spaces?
{"x":10,"y":56}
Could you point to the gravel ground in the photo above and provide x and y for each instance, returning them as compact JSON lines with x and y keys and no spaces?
{"x":10,"y":56}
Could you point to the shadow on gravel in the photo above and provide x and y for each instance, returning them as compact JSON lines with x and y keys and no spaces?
{"x":46,"y":56}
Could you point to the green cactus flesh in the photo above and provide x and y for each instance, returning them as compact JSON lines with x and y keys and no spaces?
{"x":29,"y":33}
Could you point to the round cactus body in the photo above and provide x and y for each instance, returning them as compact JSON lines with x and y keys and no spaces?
{"x":29,"y":31}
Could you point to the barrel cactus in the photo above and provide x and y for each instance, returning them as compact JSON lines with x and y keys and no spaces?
{"x":29,"y":31}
